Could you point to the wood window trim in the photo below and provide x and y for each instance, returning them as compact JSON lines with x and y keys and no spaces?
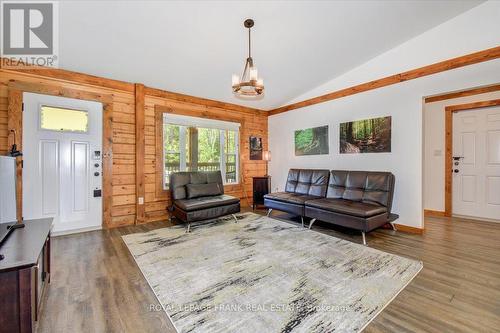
{"x":15,"y":92}
{"x":140,"y":153}
{"x":449,"y":110}
{"x":160,"y":110}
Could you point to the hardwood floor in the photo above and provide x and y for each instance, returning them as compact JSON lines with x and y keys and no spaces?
{"x":97,"y":287}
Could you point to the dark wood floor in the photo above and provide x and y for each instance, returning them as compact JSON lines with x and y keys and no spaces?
{"x":97,"y":287}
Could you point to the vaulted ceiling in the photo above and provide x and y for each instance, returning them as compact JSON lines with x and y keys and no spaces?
{"x":193,"y":47}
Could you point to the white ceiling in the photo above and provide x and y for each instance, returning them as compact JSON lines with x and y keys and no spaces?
{"x":193,"y":47}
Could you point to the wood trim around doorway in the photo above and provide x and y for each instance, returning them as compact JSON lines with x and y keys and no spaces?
{"x":16,"y":90}
{"x":449,"y":110}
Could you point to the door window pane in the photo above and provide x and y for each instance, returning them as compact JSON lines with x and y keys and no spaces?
{"x":63,"y":120}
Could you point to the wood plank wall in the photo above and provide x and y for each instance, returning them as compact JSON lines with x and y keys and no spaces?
{"x":254,"y":123}
{"x":124,"y":180}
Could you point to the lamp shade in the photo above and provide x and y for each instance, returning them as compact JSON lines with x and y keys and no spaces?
{"x":266,"y":155}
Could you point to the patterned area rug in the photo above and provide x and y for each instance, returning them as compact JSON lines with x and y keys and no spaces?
{"x":265,"y":275}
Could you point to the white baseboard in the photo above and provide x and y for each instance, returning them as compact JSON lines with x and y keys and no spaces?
{"x":475,"y":218}
{"x":55,"y":233}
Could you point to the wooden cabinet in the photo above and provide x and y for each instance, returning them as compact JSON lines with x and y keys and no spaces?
{"x":261,"y":187}
{"x":24,"y":274}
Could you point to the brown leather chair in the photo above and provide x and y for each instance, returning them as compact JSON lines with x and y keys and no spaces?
{"x":360,"y":200}
{"x":301,"y":185}
{"x":198,"y":196}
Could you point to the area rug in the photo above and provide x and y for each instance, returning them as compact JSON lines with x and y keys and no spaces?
{"x":266,"y":275}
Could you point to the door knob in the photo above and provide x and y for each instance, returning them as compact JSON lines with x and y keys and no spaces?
{"x":456,"y":171}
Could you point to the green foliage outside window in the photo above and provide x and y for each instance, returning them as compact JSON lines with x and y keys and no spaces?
{"x":208,"y":145}
{"x":202,"y":151}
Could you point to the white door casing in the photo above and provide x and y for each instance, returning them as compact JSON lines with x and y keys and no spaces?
{"x":61,"y":169}
{"x":476,"y":177}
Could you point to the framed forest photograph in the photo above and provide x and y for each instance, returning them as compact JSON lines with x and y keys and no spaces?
{"x":255,"y":148}
{"x":366,"y":136}
{"x":312,"y":141}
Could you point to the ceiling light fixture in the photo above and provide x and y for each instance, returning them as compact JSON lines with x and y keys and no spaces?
{"x":249,"y":83}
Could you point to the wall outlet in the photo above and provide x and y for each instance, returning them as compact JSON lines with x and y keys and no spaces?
{"x":140,"y":200}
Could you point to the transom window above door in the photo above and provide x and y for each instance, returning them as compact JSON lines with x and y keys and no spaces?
{"x":198,"y":144}
{"x":63,"y":119}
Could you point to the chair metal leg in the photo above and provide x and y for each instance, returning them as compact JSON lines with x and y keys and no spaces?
{"x":364,"y":237}
{"x":302,"y":221}
{"x":188,"y":229}
{"x":311,"y":223}
{"x":393,"y":225}
{"x":235,"y":218}
{"x":269,"y":211}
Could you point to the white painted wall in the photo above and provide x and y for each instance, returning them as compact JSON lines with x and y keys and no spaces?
{"x":472,"y":31}
{"x":434,"y":147}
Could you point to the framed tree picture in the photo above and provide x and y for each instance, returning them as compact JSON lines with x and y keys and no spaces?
{"x":255,"y":148}
{"x":311,"y":141}
{"x":366,"y":136}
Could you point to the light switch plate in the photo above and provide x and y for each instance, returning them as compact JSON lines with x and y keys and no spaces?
{"x":140,"y":200}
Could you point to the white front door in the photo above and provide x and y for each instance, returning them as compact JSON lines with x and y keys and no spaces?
{"x":476,"y":163}
{"x":62,"y":161}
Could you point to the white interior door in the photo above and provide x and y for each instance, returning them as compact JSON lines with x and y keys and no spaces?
{"x":476,"y":164}
{"x":62,"y":161}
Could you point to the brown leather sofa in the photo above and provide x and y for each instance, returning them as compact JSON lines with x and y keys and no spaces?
{"x":361,"y":200}
{"x":301,"y":185}
{"x":198,"y":196}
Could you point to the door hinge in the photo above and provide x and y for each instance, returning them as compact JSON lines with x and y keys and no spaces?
{"x":22,"y":164}
{"x":22,"y":107}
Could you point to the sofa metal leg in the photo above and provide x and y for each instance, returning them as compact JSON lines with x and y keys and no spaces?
{"x":269,"y":212}
{"x":393,"y":225}
{"x":235,"y":218}
{"x":302,"y":221}
{"x":364,"y":237}
{"x":188,"y":228}
{"x":311,"y":223}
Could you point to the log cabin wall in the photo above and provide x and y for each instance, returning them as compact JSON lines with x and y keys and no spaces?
{"x":253,"y":123}
{"x":125,"y":191}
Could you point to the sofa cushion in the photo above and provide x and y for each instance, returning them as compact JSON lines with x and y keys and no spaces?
{"x":190,"y":205}
{"x":348,"y":207}
{"x":295,"y":198}
{"x":365,"y":186}
{"x":307,"y":181}
{"x":202,"y":190}
{"x":179,"y":181}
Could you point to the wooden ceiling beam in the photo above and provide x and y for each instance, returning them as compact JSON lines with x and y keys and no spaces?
{"x":466,"y":60}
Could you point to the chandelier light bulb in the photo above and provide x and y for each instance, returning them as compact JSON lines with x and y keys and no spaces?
{"x":253,"y":73}
{"x":235,"y":80}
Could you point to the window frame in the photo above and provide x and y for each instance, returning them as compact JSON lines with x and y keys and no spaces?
{"x":160,"y":189}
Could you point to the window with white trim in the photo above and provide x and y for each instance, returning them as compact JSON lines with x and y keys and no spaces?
{"x":199,"y":144}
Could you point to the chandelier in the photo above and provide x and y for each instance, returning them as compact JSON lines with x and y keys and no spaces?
{"x":249,"y":83}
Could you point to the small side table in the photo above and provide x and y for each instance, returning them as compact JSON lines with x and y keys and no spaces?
{"x":261,"y":187}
